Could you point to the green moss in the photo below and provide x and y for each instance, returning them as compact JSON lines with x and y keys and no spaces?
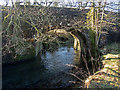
{"x":29,"y":54}
{"x":113,"y":48}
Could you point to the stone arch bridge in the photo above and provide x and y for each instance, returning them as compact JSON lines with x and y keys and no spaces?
{"x":60,"y":20}
{"x":64,"y":20}
{"x":80,"y":43}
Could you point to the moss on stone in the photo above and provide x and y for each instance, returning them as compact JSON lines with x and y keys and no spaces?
{"x":29,"y":54}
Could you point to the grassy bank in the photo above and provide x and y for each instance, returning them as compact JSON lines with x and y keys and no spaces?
{"x":109,"y":75}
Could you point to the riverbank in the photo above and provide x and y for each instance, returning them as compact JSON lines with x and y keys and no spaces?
{"x":30,"y":53}
{"x":108,"y":76}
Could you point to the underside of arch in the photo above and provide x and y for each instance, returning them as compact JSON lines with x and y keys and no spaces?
{"x":80,"y":41}
{"x":62,"y":31}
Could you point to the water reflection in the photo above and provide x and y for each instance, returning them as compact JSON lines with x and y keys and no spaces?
{"x":49,"y":68}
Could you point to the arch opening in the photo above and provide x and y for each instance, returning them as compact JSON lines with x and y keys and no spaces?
{"x":77,"y":41}
{"x":76,"y":46}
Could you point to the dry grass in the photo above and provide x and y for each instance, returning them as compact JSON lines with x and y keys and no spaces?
{"x":108,"y":76}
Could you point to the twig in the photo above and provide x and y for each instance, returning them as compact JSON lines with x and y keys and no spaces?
{"x":77,"y":77}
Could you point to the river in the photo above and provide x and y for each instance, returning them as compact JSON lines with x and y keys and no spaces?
{"x":48,"y":70}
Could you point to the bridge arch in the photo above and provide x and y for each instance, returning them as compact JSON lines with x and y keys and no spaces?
{"x":63,"y":31}
{"x":80,"y":43}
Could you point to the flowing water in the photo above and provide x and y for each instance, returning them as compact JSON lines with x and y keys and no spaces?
{"x":49,"y":70}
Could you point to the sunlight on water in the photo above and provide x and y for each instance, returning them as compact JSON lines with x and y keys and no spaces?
{"x":50,"y":68}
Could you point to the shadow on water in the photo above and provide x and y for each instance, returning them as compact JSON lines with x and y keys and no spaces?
{"x":49,"y":70}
